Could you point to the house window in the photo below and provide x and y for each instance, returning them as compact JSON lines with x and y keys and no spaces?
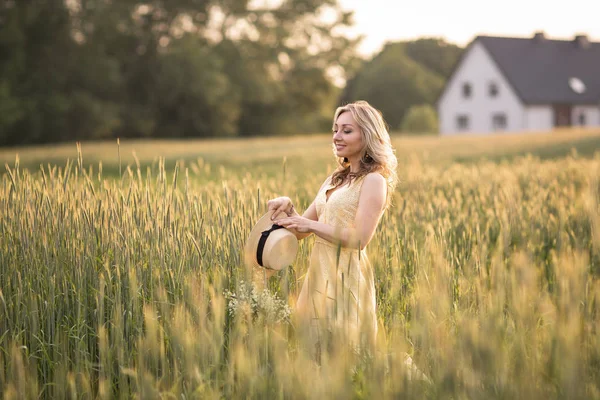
{"x":499,"y":122}
{"x":467,"y":90}
{"x":493,"y":89}
{"x":581,"y":119}
{"x":462,"y":122}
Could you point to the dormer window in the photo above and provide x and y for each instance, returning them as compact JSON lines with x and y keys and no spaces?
{"x":493,"y":89}
{"x":467,"y":90}
{"x":577,"y":85}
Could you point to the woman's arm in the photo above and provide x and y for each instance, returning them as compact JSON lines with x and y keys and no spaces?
{"x":310,"y":214}
{"x":371,"y":205}
{"x":288,"y":208}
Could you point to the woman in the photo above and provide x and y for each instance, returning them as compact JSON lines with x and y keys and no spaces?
{"x":338,"y":294}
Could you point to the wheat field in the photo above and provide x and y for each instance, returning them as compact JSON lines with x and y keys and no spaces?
{"x":117,"y":264}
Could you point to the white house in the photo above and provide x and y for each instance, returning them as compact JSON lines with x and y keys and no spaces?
{"x":522,"y":84}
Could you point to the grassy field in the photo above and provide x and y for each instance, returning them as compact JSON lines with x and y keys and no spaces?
{"x":114,"y":265}
{"x":265,"y":155}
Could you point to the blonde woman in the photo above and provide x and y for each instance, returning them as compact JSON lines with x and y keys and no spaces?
{"x":338,"y":293}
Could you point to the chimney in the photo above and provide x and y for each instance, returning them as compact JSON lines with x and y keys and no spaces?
{"x":539,"y":37}
{"x":582,"y":41}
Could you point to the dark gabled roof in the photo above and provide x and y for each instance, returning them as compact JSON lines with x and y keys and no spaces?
{"x":539,"y":69}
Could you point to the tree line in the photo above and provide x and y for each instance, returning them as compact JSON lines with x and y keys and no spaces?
{"x":97,"y":69}
{"x":404,"y":81}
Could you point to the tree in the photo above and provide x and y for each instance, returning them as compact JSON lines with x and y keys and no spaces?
{"x":420,"y":119}
{"x":402,"y":75}
{"x":281,"y":64}
{"x":393,"y":82}
{"x":196,"y":97}
{"x":135,"y":36}
{"x":83,"y":69}
{"x":34,"y":67}
{"x":235,"y":67}
{"x":435,"y":54}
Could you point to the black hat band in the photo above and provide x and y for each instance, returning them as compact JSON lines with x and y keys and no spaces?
{"x":262,"y":241}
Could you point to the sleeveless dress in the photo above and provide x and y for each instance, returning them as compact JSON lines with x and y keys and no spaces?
{"x":338,"y":293}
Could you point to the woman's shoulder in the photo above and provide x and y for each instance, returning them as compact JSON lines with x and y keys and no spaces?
{"x":374,"y":182}
{"x":374,"y":179}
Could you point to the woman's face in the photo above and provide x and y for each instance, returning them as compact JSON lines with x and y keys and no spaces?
{"x":347,"y":137}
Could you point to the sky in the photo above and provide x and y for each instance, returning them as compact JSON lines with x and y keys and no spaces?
{"x":459,"y":21}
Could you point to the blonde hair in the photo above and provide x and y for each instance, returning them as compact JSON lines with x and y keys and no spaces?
{"x":378,"y":153}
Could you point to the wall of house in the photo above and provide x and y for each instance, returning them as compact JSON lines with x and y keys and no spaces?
{"x":479,"y":70}
{"x":591,"y":113}
{"x":539,"y":118}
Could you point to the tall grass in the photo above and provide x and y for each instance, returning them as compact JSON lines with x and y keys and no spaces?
{"x":487,"y":274}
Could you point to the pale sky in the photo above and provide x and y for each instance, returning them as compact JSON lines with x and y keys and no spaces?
{"x":459,"y":21}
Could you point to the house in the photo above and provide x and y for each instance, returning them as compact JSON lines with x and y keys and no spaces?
{"x":522,"y":84}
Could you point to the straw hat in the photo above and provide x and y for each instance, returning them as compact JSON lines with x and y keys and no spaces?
{"x":279,"y":246}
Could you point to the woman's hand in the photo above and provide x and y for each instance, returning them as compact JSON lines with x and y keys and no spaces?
{"x":297,"y":223}
{"x":280,"y":205}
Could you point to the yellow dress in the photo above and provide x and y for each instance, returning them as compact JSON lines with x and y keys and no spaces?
{"x":338,"y":293}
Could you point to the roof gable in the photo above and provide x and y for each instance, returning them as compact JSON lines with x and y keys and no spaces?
{"x":539,"y":69}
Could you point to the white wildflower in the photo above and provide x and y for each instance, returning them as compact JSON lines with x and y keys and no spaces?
{"x":247,"y":301}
